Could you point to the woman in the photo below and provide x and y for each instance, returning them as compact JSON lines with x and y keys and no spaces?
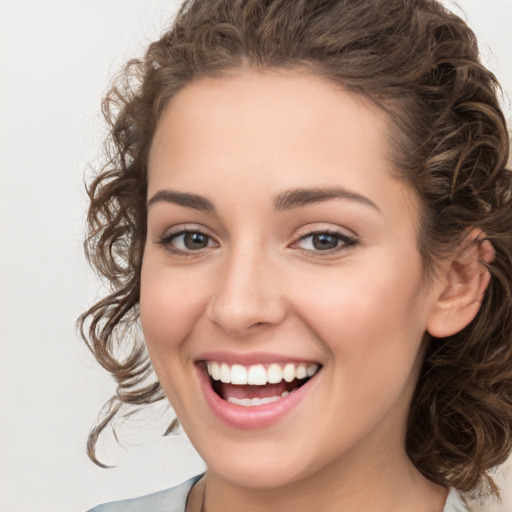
{"x":307,"y":206}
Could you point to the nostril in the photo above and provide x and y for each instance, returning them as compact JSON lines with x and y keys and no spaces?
{"x":242,"y":300}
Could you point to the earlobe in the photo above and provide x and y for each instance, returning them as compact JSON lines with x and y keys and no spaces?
{"x":462,"y":286}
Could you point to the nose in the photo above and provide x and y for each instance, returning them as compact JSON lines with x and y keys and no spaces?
{"x":248,"y":294}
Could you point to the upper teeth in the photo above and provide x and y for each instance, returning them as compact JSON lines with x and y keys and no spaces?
{"x":258,"y":374}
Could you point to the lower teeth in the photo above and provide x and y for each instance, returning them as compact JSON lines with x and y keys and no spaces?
{"x":251,"y":402}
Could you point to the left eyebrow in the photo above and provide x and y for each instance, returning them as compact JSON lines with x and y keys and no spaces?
{"x":185,"y":199}
{"x":304,"y":196}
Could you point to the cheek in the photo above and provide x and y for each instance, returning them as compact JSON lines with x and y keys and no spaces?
{"x":169,"y":308}
{"x":370,"y":317}
{"x":372,"y":324}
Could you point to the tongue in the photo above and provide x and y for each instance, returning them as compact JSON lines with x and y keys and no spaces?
{"x":233,"y":391}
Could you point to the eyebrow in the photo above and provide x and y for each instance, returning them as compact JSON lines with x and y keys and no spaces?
{"x":304,"y":196}
{"x":285,"y":201}
{"x":185,"y":199}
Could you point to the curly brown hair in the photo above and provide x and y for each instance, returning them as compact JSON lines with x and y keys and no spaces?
{"x":420,"y":64}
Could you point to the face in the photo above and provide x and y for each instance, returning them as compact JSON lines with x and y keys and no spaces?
{"x":283,"y":299}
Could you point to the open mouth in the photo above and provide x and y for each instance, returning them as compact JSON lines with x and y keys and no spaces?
{"x":259,"y":384}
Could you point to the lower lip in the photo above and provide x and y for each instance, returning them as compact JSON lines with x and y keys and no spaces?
{"x":255,"y":417}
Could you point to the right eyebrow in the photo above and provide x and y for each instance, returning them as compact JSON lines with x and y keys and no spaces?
{"x":185,"y":199}
{"x":303,"y":196}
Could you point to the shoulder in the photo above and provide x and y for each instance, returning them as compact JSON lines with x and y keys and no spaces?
{"x":455,"y":502}
{"x":168,"y":500}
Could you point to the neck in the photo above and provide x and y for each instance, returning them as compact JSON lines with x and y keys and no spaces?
{"x":354,"y":489}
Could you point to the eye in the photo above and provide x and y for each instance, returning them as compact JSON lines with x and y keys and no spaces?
{"x":186,"y":241}
{"x":325,"y":241}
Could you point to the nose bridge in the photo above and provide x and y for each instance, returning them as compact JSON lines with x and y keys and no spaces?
{"x":247,"y":292}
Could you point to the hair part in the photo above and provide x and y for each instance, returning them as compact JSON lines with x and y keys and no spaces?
{"x":448,"y":138}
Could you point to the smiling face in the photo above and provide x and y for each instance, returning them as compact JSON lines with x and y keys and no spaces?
{"x":283,"y":299}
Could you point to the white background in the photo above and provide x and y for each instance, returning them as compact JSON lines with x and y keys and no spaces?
{"x":56,"y":59}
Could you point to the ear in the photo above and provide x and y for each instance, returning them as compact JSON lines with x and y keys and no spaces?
{"x":461,"y":286}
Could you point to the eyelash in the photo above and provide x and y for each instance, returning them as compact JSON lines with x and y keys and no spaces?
{"x":166,"y":241}
{"x":344,"y":242}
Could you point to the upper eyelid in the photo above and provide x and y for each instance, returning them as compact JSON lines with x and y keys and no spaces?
{"x":176,"y":231}
{"x":334,"y":232}
{"x":187,"y":228}
{"x":347,"y":240}
{"x":339,"y":234}
{"x":300,"y":234}
{"x":165,"y":241}
{"x":315,"y":228}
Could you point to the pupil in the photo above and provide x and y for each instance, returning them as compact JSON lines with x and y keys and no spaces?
{"x":325,"y":241}
{"x":195,"y":241}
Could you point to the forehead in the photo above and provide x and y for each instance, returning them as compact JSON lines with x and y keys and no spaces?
{"x":254,"y":108}
{"x":274,"y":129}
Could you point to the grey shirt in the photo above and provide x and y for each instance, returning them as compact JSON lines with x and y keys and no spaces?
{"x":175,"y":500}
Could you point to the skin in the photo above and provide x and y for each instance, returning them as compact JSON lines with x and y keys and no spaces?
{"x":259,"y":286}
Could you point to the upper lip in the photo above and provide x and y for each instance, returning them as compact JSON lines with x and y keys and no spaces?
{"x":248,"y":359}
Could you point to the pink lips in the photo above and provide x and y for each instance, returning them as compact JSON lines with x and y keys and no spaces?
{"x":248,"y":359}
{"x":249,"y":418}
